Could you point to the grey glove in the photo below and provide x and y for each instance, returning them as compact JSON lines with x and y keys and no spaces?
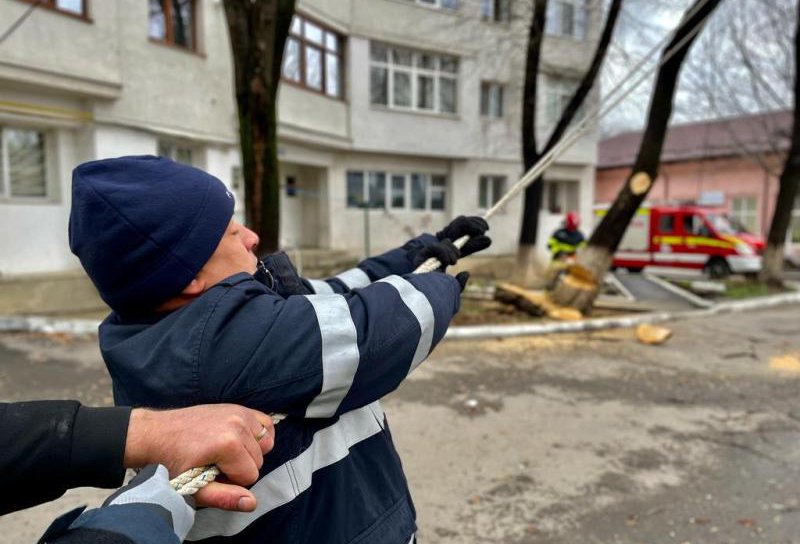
{"x":151,"y":486}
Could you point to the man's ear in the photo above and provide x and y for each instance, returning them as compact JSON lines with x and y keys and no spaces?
{"x":195,"y":288}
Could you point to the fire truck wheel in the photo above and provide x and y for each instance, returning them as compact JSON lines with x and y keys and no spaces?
{"x":717,"y":268}
{"x":635,"y":269}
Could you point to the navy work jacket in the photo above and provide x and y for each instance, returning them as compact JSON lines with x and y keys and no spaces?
{"x":322,"y":351}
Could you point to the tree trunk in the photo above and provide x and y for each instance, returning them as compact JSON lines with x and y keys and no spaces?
{"x":580,"y":290}
{"x":532,"y":204}
{"x":530,"y":155}
{"x":772,"y":266}
{"x":258,"y":32}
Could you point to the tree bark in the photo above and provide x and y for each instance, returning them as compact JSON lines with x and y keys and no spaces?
{"x":772,"y":266}
{"x":530,"y":154}
{"x":595,"y":260}
{"x":532,"y":203}
{"x":258,"y":32}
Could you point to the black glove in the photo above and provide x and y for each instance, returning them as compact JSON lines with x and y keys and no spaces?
{"x":474,"y":227}
{"x":444,"y":251}
{"x":462,"y":278}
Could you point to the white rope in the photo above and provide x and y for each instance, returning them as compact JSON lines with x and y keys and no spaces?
{"x":597,"y":112}
{"x":191,"y":481}
{"x":195,"y":479}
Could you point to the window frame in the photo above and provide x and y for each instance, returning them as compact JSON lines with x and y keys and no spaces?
{"x":491,"y":181}
{"x":415,"y":71}
{"x":303,"y":43}
{"x":561,"y":89}
{"x":50,"y":5}
{"x":498,"y":12}
{"x":177,"y":146}
{"x":564,"y":189}
{"x":388,"y":177}
{"x":437,"y":4}
{"x":489,"y":87}
{"x":580,"y":20}
{"x":169,"y":39}
{"x":50,"y":191}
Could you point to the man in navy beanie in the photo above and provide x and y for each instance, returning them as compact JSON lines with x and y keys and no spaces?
{"x":198,"y":318}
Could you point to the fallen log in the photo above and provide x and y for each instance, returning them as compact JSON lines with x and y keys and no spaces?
{"x":536,"y":303}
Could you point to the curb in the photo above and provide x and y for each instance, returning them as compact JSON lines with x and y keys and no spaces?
{"x":48,"y":325}
{"x":89,"y":326}
{"x":505,"y":331}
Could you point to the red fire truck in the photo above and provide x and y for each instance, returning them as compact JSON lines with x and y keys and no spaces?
{"x":687,"y":236}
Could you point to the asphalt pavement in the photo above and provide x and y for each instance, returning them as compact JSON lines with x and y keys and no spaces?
{"x":579,"y":438}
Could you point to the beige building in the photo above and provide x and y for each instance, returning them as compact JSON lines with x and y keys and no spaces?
{"x":395,"y":115}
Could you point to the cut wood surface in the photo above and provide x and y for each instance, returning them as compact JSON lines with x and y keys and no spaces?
{"x":534,"y":302}
{"x":652,"y":334}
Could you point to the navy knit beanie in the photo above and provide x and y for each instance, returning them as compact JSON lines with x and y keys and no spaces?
{"x":143,"y":227}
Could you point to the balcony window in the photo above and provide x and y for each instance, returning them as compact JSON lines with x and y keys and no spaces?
{"x":23,"y":163}
{"x":312,"y":57}
{"x":566,"y":18}
{"x":491,"y":99}
{"x":396,"y":191}
{"x":402,"y":78}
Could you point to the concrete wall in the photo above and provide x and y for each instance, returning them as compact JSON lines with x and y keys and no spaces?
{"x":33,"y":232}
{"x":103,"y":89}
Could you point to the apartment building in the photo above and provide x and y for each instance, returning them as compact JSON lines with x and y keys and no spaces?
{"x":395,"y":115}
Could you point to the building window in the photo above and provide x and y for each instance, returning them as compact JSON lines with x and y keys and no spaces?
{"x":399,"y":190}
{"x":498,"y":11}
{"x":558,"y":94}
{"x":440,"y":4}
{"x":173,"y":22}
{"x":744,"y":211}
{"x":23,"y":164}
{"x":412,"y":80}
{"x":566,"y":18}
{"x":491,"y":99}
{"x":175,"y":151}
{"x":560,"y":197}
{"x":490,"y":190}
{"x":312,"y":57}
{"x":70,"y":7}
{"x":414,"y":191}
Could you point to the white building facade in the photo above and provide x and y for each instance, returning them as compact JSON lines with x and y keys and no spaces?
{"x":395,"y":115}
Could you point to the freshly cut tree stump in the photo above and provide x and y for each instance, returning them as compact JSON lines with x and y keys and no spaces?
{"x":577,"y":289}
{"x":534,"y":302}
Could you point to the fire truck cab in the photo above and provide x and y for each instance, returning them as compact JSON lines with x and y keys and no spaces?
{"x":687,"y":236}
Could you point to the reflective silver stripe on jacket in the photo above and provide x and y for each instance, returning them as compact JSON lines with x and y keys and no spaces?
{"x":321,"y":287}
{"x":422,"y":310}
{"x":339,"y":353}
{"x":355,"y":278}
{"x":286,"y":482}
